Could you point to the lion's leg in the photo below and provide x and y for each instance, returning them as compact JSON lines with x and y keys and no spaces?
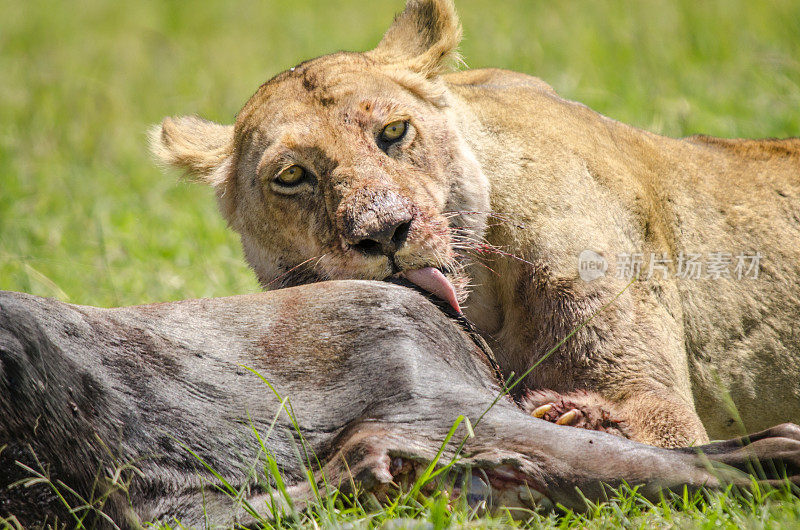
{"x":642,"y":409}
{"x":609,"y":351}
{"x":655,"y":418}
{"x":659,"y":417}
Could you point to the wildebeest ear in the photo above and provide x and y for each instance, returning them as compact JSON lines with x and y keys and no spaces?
{"x":423,"y":38}
{"x":198,"y":147}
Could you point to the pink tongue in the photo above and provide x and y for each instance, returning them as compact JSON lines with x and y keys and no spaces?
{"x":433,"y":281}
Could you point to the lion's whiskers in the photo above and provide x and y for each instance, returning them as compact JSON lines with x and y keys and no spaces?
{"x":479,"y":246}
{"x":500,"y":216}
{"x":301,"y":264}
{"x":485,"y":266}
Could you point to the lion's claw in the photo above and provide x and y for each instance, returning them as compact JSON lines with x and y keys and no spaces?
{"x":569,"y":417}
{"x":539,"y":412}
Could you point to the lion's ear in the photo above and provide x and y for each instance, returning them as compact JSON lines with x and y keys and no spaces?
{"x":423,"y":38}
{"x":200,"y":148}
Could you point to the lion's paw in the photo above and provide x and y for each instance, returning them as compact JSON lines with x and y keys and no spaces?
{"x":587,"y":410}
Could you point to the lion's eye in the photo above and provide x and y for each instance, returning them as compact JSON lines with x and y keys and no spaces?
{"x":394,"y":131}
{"x":291,"y":176}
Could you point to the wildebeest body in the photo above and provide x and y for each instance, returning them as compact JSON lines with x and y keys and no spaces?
{"x":374,"y":372}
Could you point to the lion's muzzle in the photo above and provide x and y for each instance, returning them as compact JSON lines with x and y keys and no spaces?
{"x":375,"y":221}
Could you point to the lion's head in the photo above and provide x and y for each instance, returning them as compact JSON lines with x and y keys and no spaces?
{"x":349,"y":165}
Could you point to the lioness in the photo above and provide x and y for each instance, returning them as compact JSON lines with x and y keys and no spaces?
{"x":484,"y":187}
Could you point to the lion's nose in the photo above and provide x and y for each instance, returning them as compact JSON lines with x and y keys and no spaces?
{"x":375,"y":221}
{"x":386,"y":241}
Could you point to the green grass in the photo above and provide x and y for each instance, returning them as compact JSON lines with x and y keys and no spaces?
{"x":86,"y":217}
{"x":427,"y":502}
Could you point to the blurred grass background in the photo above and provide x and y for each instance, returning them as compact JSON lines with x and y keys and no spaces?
{"x":86,"y":217}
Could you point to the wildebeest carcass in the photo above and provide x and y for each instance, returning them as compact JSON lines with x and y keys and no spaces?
{"x":133,"y":407}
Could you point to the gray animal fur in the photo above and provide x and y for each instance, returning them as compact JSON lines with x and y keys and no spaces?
{"x":374,"y":373}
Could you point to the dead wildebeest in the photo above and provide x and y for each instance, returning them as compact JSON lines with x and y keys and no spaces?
{"x":376,"y":376}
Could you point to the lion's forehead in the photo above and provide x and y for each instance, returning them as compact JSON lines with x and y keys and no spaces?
{"x":329,"y":116}
{"x":327,"y":86}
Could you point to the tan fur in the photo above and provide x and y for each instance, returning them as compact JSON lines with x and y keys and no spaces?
{"x":560,"y":179}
